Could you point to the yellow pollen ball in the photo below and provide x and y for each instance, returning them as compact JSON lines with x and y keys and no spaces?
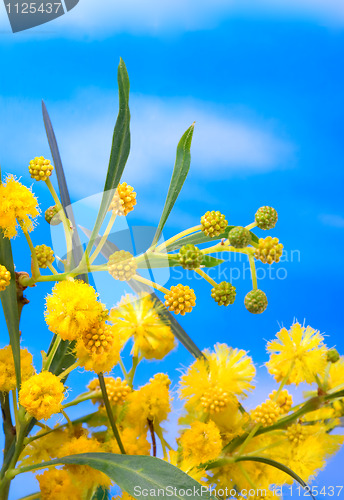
{"x":267,"y":413}
{"x":284,"y":400}
{"x":215,"y":400}
{"x":5,"y":278}
{"x":42,"y":395}
{"x":124,"y":199}
{"x":297,"y":433}
{"x":269,"y":250}
{"x":180,"y":299}
{"x":40,"y":168}
{"x":122,"y":265}
{"x":99,"y":339}
{"x":117,"y":389}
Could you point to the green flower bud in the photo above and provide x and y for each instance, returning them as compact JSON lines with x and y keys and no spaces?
{"x":239,"y":237}
{"x":45,"y":256}
{"x":266,"y":217}
{"x":190,"y":256}
{"x":256,"y":301}
{"x":213,"y":223}
{"x":333,"y":355}
{"x":224,"y":293}
{"x":52,"y":216}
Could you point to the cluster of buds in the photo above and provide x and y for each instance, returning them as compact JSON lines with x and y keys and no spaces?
{"x":5,"y":278}
{"x":224,"y":293}
{"x":267,"y":413}
{"x":124,"y":199}
{"x":190,"y":257}
{"x":117,"y":390}
{"x":269,"y":250}
{"x":122,"y":265}
{"x":40,"y":168}
{"x":213,"y":224}
{"x":180,"y":299}
{"x":99,"y":338}
{"x":45,"y":256}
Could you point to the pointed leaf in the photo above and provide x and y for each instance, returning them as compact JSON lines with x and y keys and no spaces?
{"x":180,"y":172}
{"x":119,"y":150}
{"x":137,"y":475}
{"x":10,"y":304}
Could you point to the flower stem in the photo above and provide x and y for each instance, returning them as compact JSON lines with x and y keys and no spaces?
{"x":83,"y":397}
{"x":253,"y":272}
{"x":109,"y":412}
{"x":52,"y":353}
{"x":69,"y":422}
{"x":150,"y":283}
{"x":177,"y":237}
{"x":205,"y":276}
{"x":52,"y":268}
{"x":35,"y":267}
{"x":251,"y":226}
{"x":68,"y":370}
{"x":103,"y":238}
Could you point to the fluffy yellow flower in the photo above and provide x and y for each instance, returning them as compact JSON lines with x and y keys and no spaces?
{"x":150,"y":402}
{"x":212,"y":384}
{"x":72,"y":308}
{"x":7,"y":371}
{"x":44,"y":448}
{"x":98,"y":361}
{"x":18,"y":204}
{"x":202,"y":442}
{"x":56,"y":484}
{"x":42,"y":395}
{"x":134,"y":443}
{"x":299,"y":352}
{"x":138,"y":318}
{"x":84,"y":474}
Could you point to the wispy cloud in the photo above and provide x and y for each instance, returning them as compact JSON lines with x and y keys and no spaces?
{"x":333,"y":220}
{"x":153,"y":17}
{"x":225,"y":143}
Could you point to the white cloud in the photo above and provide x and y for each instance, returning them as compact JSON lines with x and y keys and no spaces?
{"x":333,"y":220}
{"x":154,"y":17}
{"x":224,"y":144}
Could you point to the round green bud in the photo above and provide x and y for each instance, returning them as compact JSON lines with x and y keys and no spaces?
{"x":213,"y":223}
{"x":333,"y":355}
{"x":256,"y":301}
{"x":45,"y":256}
{"x":224,"y":293}
{"x":52,"y":216}
{"x":190,"y":256}
{"x":266,"y":217}
{"x":239,"y":237}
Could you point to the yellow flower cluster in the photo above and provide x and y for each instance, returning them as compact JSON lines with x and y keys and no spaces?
{"x":116,"y":388}
{"x":201,"y":443}
{"x":45,"y":255}
{"x":267,"y":413}
{"x":269,"y":250}
{"x":18,"y":206}
{"x":180,"y":299}
{"x":7,"y":371}
{"x":40,"y":168}
{"x":124,"y":199}
{"x":56,"y":484}
{"x":138,"y":318}
{"x":42,"y":395}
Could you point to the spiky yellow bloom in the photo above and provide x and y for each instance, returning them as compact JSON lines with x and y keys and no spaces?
{"x":139,"y":318}
{"x":298,"y":353}
{"x":269,"y":250}
{"x":151,"y":402}
{"x":42,"y":395}
{"x":336,"y":375}
{"x":18,"y":204}
{"x":83,"y":473}
{"x":180,"y":299}
{"x":284,"y":400}
{"x":133,"y":441}
{"x":124,"y":199}
{"x":72,"y":308}
{"x":40,"y":168}
{"x":5,"y":278}
{"x":212,"y":384}
{"x":122,"y":265}
{"x":117,"y":389}
{"x":98,"y":361}
{"x":57,"y":484}
{"x":202,"y":442}
{"x":45,"y":255}
{"x":266,"y":413}
{"x":7,"y":372}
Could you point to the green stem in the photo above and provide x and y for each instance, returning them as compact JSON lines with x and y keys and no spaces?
{"x":124,"y":371}
{"x":103,"y":238}
{"x":251,"y":226}
{"x":52,"y":353}
{"x":35,"y":267}
{"x":68,"y":370}
{"x":253,"y":272}
{"x":52,"y":268}
{"x":131,"y":374}
{"x":206,"y":277}
{"x":178,"y":236}
{"x":69,"y":422}
{"x":150,"y":283}
{"x":109,"y":412}
{"x":34,"y":496}
{"x":83,"y":397}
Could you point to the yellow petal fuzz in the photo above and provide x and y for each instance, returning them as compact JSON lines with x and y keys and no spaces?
{"x":56,"y":484}
{"x":18,"y":204}
{"x":7,"y":372}
{"x":42,"y":395}
{"x":202,"y":442}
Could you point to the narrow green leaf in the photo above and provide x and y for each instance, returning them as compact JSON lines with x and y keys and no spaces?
{"x":10,"y":305}
{"x":119,"y":150}
{"x":101,"y":494}
{"x":154,"y":261}
{"x":64,"y":193}
{"x":279,"y":466}
{"x":137,"y":475}
{"x":179,"y":332}
{"x":180,"y":172}
{"x":209,"y":261}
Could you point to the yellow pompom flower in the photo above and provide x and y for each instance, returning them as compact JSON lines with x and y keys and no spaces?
{"x":57,"y":484}
{"x":284,"y":400}
{"x":133,"y":441}
{"x":40,"y":168}
{"x":202,"y":442}
{"x":336,"y":375}
{"x":45,"y":256}
{"x":5,"y":278}
{"x":298,"y":353}
{"x":139,"y":318}
{"x":99,"y":338}
{"x":267,"y":413}
{"x":124,"y":199}
{"x":42,"y":395}
{"x":180,"y":299}
{"x":151,"y":402}
{"x":212,"y":384}
{"x":18,"y":204}
{"x":99,"y":361}
{"x":7,"y":372}
{"x":72,"y":308}
{"x":116,"y":388}
{"x":84,"y":474}
{"x":269,"y":250}
{"x":45,"y":447}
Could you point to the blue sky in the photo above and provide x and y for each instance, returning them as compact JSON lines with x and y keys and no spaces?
{"x":263,"y":80}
